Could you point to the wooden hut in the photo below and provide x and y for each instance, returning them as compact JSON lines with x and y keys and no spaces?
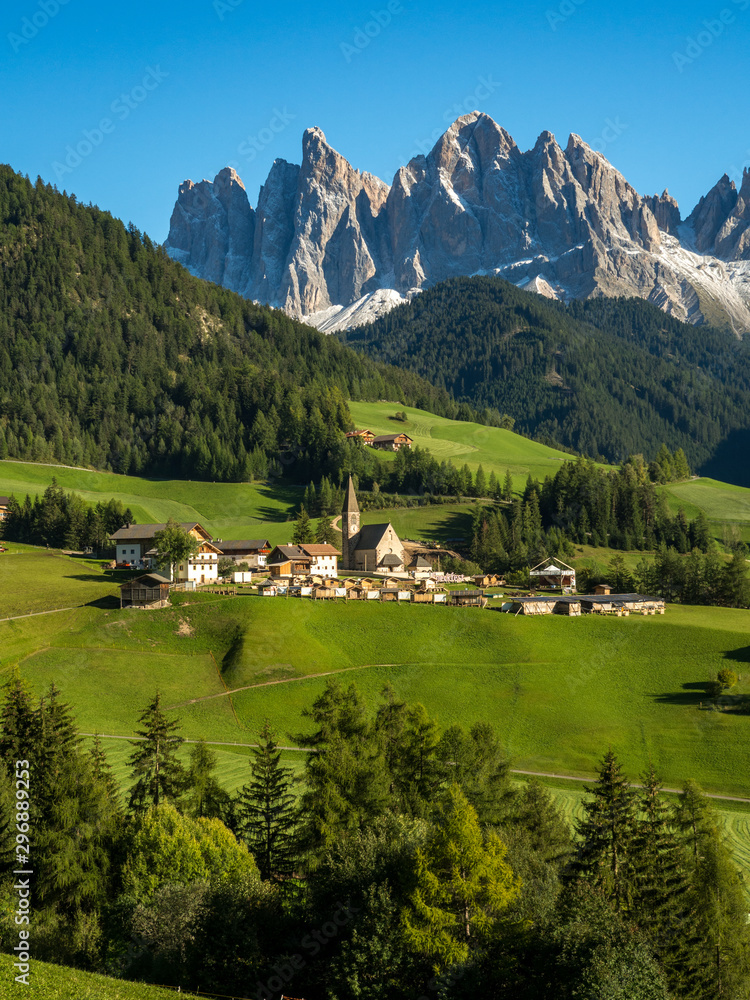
{"x":467,"y":598}
{"x":389,"y":593}
{"x":148,"y":591}
{"x":323,"y":593}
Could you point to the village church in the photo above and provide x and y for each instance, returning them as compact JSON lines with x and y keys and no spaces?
{"x":374,"y":548}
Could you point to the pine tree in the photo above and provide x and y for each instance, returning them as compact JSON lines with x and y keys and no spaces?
{"x":159,"y":776}
{"x":508,"y":486}
{"x":18,"y":724}
{"x":347,"y":781}
{"x":661,"y":893}
{"x":205,"y":799}
{"x":480,"y":483}
{"x":266,"y":811}
{"x":302,"y":529}
{"x":606,"y":834}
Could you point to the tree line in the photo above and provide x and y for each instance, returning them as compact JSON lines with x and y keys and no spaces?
{"x":63,"y":520}
{"x":401,"y":862}
{"x":605,"y":377}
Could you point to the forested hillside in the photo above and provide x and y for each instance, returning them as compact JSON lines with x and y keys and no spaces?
{"x":606,"y":377}
{"x":112,"y":355}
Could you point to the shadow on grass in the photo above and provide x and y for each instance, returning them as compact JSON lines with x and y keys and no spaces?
{"x":741,"y":655}
{"x":694,"y":695}
{"x":691,"y":694}
{"x":110,"y":603}
{"x":87,"y":577}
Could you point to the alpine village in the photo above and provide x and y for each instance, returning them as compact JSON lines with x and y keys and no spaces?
{"x":374,"y":553}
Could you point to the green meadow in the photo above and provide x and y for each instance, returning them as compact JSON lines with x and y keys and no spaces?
{"x":723,"y":504}
{"x":495,"y":449}
{"x":57,"y":982}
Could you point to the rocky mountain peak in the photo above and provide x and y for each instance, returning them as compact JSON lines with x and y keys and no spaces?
{"x":327,"y":238}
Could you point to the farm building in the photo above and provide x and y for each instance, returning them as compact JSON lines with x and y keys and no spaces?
{"x":365,"y":436}
{"x":254,"y":552}
{"x":392,"y":442}
{"x":4,"y":507}
{"x":148,"y":591}
{"x":543,"y":606}
{"x":420,"y":568}
{"x":602,"y":588}
{"x":134,"y":546}
{"x":621,"y":604}
{"x":372,"y":548}
{"x":467,"y":598}
{"x":489,"y":580}
{"x":553,"y":574}
{"x":303,"y":560}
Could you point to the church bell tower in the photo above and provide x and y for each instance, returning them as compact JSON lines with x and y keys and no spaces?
{"x":349,"y":526}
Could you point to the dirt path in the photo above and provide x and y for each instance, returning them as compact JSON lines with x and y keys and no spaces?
{"x":284,"y":680}
{"x":34,"y":614}
{"x":590,"y":781}
{"x":533,"y":774}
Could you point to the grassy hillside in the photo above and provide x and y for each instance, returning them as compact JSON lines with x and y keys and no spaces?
{"x":57,"y":982}
{"x":725,"y":505}
{"x":491,"y":447}
{"x":558,"y":690}
{"x":607,"y":377}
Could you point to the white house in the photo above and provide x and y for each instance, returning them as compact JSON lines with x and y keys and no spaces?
{"x":134,"y":547}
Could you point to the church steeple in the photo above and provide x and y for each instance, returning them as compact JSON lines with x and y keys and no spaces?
{"x":350,"y":502}
{"x":349,"y":526}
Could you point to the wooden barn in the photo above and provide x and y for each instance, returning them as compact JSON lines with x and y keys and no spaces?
{"x":489,"y":580}
{"x":467,"y":598}
{"x":324,"y":593}
{"x":148,"y":591}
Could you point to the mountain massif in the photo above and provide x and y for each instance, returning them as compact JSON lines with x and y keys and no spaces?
{"x":339,"y":247}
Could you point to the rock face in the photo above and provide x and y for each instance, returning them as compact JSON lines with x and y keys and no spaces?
{"x":338,"y":246}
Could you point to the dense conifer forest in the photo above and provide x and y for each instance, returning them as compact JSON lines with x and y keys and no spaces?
{"x":407,"y":864}
{"x":112,"y":355}
{"x":604,"y":377}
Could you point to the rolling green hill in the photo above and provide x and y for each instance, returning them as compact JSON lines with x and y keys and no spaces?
{"x":494,"y":448}
{"x":58,"y":982}
{"x":606,"y":377}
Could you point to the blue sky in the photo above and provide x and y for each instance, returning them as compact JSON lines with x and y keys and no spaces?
{"x":120,"y":103}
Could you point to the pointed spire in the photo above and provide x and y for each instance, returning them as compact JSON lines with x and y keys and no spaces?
{"x":350,"y":503}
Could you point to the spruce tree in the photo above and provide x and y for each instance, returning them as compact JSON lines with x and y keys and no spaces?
{"x":302,"y":529}
{"x":266,"y":811}
{"x":606,"y":834}
{"x":661,"y":893}
{"x":159,"y":776}
{"x":508,"y":486}
{"x":205,"y":799}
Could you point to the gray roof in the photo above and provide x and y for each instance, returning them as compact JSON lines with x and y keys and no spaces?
{"x":390,"y":559}
{"x":615,"y":598}
{"x":138,"y":531}
{"x":421,"y":563}
{"x":384,"y":438}
{"x":148,"y":580}
{"x":291,"y":552}
{"x":370,"y":535}
{"x":4,"y":501}
{"x":254,"y":545}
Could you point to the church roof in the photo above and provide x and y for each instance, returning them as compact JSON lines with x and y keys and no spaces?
{"x":350,"y":503}
{"x":370,"y":535}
